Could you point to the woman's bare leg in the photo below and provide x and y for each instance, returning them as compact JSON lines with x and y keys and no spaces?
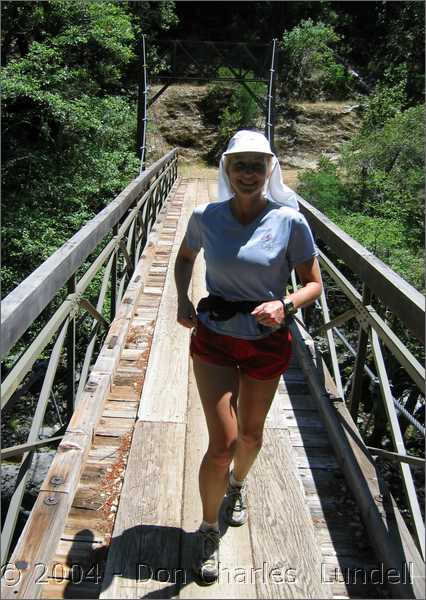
{"x":255,"y":399}
{"x":218,"y":389}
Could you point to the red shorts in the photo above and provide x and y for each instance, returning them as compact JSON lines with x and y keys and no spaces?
{"x":265,"y":358}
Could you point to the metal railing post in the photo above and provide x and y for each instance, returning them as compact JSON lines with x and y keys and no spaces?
{"x":114,"y":279}
{"x":70,"y":352}
{"x":358,"y":372}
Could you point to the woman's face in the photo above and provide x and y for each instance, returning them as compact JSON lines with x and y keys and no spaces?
{"x":247,"y":172}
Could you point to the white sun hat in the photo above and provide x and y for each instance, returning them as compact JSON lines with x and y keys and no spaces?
{"x":275,"y":189}
{"x":248,"y":141}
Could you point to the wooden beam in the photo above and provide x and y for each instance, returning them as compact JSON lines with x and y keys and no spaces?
{"x":22,"y":448}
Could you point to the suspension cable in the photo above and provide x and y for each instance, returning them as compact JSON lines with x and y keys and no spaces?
{"x":145,"y":117}
{"x":271,"y":80}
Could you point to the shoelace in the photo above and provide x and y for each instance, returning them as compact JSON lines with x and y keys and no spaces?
{"x":210,"y":543}
{"x":238,"y":497}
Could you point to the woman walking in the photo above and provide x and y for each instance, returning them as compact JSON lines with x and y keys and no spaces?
{"x":252,"y":238}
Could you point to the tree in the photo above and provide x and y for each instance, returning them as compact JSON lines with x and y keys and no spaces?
{"x":69,"y":119}
{"x":310,"y":69}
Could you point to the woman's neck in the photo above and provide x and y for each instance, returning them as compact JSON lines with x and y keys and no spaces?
{"x":247,"y":209}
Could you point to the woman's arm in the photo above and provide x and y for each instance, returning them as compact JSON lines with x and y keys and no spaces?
{"x":186,"y":314}
{"x":272,"y":313}
{"x":310,"y":276}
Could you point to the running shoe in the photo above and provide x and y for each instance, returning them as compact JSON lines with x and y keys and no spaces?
{"x":235,"y":513}
{"x":206,"y":563}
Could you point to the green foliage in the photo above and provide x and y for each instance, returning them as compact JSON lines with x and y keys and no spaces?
{"x":325,"y":186}
{"x":387,"y":100}
{"x":68,"y":128}
{"x":385,"y":171}
{"x":401,"y":32}
{"x":231,"y":107}
{"x":310,"y":70}
{"x":376,"y":193}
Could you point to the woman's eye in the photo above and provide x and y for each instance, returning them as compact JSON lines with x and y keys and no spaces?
{"x":257,"y":167}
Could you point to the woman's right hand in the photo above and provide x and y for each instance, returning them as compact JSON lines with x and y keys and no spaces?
{"x":186,"y":314}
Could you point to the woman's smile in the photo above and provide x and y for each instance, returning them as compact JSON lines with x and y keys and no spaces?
{"x":247,"y":173}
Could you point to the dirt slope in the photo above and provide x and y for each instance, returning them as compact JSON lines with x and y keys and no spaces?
{"x":303,"y":132}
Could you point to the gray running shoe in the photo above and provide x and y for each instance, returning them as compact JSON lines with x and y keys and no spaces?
{"x":206,"y":562}
{"x":235,"y":513}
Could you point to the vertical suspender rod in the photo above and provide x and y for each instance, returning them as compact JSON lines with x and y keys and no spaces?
{"x":270,"y":120}
{"x":145,"y":116}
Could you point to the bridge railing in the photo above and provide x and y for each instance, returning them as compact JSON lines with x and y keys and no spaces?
{"x":378,"y":290}
{"x":85,"y":278}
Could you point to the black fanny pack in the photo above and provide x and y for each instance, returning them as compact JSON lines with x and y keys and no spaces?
{"x":220,"y":309}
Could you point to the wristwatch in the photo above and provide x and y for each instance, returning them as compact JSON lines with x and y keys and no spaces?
{"x":289,"y":308}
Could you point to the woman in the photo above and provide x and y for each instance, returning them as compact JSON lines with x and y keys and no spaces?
{"x":252,"y":238}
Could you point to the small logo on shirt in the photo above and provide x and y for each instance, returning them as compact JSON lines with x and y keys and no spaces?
{"x":266,"y":240}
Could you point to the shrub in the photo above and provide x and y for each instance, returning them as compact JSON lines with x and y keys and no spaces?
{"x":385,"y":171}
{"x":386,"y":101}
{"x":310,"y":67}
{"x":231,"y":107}
{"x":324,"y":187}
{"x":376,"y":194}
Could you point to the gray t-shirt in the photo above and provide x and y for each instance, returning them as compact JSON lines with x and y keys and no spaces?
{"x":248,"y":262}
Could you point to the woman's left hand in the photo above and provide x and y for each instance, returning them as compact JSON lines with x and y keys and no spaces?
{"x":270,"y":314}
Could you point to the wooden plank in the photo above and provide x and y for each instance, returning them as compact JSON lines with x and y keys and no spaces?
{"x":147,"y":529}
{"x":85,"y":525}
{"x":309,"y":437}
{"x":295,"y":401}
{"x":104,"y":454}
{"x":127,"y":409}
{"x":65,"y":469}
{"x":109,"y":355}
{"x":295,"y":388}
{"x":164,"y":392}
{"x":114,"y":426}
{"x":78,"y":560}
{"x":285,"y":406}
{"x":315,"y":458}
{"x":282,"y":415}
{"x":283,"y":535}
{"x":279,"y":417}
{"x":89,"y":408}
{"x":123,"y":392}
{"x":64,"y":588}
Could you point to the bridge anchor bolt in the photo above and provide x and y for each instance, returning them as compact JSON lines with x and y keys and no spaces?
{"x":51,"y":500}
{"x":56,"y":480}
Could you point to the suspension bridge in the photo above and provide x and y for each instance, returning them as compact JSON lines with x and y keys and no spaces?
{"x":116,"y":514}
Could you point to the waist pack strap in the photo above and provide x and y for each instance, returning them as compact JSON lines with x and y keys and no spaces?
{"x":220,"y":309}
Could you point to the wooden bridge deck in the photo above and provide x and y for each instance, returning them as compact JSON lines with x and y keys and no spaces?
{"x":130,"y":530}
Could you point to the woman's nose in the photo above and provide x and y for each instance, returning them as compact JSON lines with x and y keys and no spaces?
{"x":248,"y":168}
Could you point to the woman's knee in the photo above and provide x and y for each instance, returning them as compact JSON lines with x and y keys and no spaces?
{"x":222,"y":455}
{"x":252,"y":439}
